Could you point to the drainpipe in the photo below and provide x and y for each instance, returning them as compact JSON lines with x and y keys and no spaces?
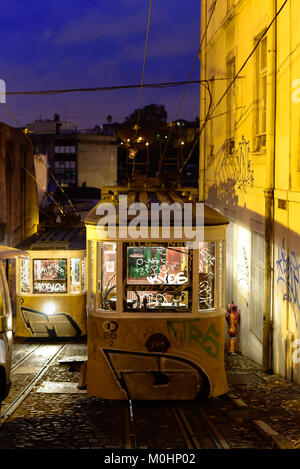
{"x":203,"y":104}
{"x":269,"y":195}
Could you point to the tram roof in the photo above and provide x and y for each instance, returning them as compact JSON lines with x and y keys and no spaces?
{"x":148,"y":196}
{"x":56,"y":237}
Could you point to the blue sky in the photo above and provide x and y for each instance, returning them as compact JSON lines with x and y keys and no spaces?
{"x":51,"y":44}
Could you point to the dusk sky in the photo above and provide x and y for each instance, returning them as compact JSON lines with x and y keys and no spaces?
{"x":51,"y":44}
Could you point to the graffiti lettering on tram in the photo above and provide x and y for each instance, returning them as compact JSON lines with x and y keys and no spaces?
{"x":187,"y":332}
{"x":42,"y":287}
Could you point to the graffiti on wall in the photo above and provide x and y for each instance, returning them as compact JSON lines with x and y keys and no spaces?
{"x":234,"y":171}
{"x":243,"y":268}
{"x":288,"y":273}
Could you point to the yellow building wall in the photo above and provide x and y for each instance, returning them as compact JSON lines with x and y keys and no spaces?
{"x":235,"y":183}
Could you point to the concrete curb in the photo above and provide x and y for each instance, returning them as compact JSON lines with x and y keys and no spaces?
{"x":279,"y":441}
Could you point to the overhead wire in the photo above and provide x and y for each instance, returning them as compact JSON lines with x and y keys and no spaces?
{"x":59,"y":186}
{"x":213,"y":7}
{"x":44,"y":189}
{"x":136,"y":127}
{"x":144,"y":64}
{"x":196,"y":59}
{"x":197,"y":138}
{"x":170,"y":84}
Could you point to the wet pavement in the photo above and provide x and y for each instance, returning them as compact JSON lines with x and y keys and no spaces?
{"x":275,"y":400}
{"x":57,"y":415}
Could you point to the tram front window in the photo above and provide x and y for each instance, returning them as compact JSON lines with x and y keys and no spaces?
{"x":107,"y":253}
{"x":50,"y":276}
{"x":158,"y":278}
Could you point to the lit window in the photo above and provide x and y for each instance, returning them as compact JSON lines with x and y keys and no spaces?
{"x":25,"y":276}
{"x":50,"y":276}
{"x":107,"y":286}
{"x":158,"y":277}
{"x":207,"y":263}
{"x":91,"y":267}
{"x":83,"y":274}
{"x":75,"y":275}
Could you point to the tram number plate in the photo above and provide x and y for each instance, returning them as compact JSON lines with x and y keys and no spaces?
{"x":110,"y":336}
{"x":110,"y":328}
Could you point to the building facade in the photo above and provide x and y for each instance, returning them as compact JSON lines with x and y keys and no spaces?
{"x":75,"y":156}
{"x":19,"y":215}
{"x":250,"y":166}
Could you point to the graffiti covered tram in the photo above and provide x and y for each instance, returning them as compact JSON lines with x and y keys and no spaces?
{"x":51,"y":284}
{"x":156,"y":306}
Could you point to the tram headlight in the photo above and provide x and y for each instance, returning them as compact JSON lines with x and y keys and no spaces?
{"x":50,"y":308}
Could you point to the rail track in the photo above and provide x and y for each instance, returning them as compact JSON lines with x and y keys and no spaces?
{"x":150,"y":425}
{"x":198,"y":432}
{"x":33,"y":349}
{"x":17,"y":401}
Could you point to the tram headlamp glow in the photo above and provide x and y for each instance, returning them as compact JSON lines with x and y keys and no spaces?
{"x":50,"y":308}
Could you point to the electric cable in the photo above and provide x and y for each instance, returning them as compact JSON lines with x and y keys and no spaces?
{"x":136,"y":127}
{"x":190,"y":75}
{"x":144,"y":65}
{"x":170,"y":84}
{"x":197,"y":138}
{"x":44,"y":189}
{"x":57,"y":183}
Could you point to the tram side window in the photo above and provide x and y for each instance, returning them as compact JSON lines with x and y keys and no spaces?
{"x":75,"y":286}
{"x":25,"y":276}
{"x":50,"y":276}
{"x":107,"y":287}
{"x":83,"y":274}
{"x":207,"y":267}
{"x":3,"y":310}
{"x":158,"y":277}
{"x":91,"y":267}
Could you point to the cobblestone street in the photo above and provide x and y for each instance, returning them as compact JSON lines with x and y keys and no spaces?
{"x":260,"y":411}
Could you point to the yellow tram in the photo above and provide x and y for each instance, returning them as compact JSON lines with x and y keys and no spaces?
{"x":156,"y":305}
{"x":51,"y":284}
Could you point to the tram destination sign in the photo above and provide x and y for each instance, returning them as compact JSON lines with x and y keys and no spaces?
{"x":50,"y":287}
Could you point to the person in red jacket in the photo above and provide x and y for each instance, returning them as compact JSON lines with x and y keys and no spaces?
{"x":233,"y":320}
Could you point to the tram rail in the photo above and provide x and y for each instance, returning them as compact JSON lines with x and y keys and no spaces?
{"x":193,"y":438}
{"x":23,"y":359}
{"x":27,"y":390}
